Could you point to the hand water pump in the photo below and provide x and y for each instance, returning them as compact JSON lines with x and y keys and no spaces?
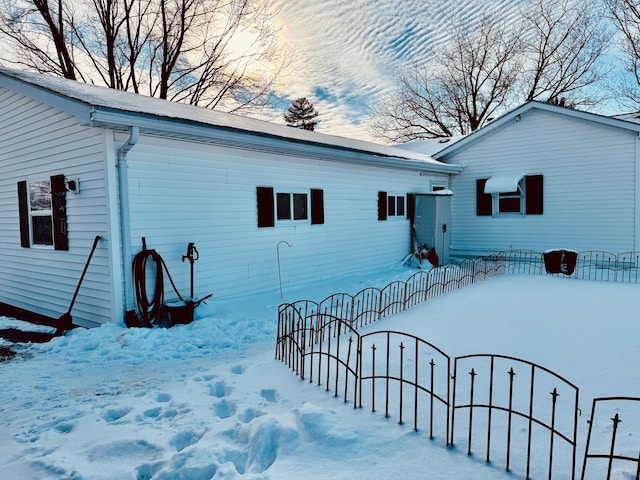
{"x":192,"y":255}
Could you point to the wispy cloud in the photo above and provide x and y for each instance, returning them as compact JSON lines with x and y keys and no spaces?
{"x":344,"y":55}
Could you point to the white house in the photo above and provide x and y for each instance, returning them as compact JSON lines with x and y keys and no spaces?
{"x":545,"y":177}
{"x":79,"y":161}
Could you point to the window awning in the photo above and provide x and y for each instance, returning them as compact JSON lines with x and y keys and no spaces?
{"x":503,"y":184}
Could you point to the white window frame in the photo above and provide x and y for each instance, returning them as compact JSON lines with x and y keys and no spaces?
{"x":395,"y":197}
{"x":39,"y":213}
{"x":292,"y":193}
{"x":520,"y":194}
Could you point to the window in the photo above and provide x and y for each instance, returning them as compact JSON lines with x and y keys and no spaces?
{"x":390,"y":205}
{"x":287,"y":206}
{"x":519,"y":194}
{"x":42,"y":212}
{"x":292,"y":206}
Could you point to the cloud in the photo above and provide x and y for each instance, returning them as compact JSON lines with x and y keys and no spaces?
{"x":345,"y":55}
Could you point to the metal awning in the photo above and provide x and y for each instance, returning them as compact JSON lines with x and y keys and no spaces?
{"x":503,"y":184}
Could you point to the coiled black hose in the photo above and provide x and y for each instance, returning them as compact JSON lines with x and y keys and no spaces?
{"x":150,"y":311}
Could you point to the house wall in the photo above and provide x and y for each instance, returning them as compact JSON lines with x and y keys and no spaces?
{"x":36,"y":142}
{"x":183,"y":192}
{"x":589,"y":187}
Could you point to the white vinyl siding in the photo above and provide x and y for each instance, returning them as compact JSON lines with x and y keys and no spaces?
{"x":589,"y":186}
{"x":37,"y":142}
{"x":183,"y":192}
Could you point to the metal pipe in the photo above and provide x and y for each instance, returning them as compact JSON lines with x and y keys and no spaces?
{"x":125,"y":222}
{"x":278,"y":254}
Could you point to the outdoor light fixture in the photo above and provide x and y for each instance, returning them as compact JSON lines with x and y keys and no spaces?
{"x":72,"y":185}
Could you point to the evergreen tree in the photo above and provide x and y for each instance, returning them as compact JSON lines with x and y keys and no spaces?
{"x":301,"y":114}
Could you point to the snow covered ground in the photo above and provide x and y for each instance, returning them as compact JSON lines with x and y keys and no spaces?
{"x":209,"y":401}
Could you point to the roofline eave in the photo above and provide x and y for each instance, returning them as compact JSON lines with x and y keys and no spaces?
{"x":256,"y":141}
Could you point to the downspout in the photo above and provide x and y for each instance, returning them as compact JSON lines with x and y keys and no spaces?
{"x":125,"y":221}
{"x":636,"y":216}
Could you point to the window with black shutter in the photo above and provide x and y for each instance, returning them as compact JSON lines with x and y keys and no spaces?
{"x":391,"y":205}
{"x":42,"y":211}
{"x":287,"y":207}
{"x":524,"y":196}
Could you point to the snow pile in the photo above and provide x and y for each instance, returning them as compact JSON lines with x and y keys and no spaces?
{"x":209,"y":401}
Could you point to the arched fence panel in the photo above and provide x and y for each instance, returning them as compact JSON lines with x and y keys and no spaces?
{"x":615,"y":447}
{"x":392,"y":298}
{"x":514,"y":412}
{"x":407,"y":378}
{"x":366,"y":307}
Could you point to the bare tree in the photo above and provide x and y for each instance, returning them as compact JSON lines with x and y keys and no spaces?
{"x":626,"y":16}
{"x":213,"y":53}
{"x":552,"y":54}
{"x":463,"y":86}
{"x":563,"y":43}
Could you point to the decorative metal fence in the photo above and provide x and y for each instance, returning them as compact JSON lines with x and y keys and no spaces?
{"x":549,"y":416}
{"x":624,"y":423}
{"x":320,"y":341}
{"x":419,"y":387}
{"x":589,"y":265}
{"x":371,"y":304}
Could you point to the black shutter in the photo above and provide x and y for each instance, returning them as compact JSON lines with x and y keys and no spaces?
{"x":266,"y":217}
{"x":382,"y":205}
{"x":484,"y":202}
{"x":23,"y":212}
{"x":317,"y":207}
{"x":534,"y":194}
{"x":59,"y":210}
{"x":411,"y":206}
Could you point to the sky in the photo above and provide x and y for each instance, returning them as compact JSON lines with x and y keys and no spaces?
{"x":208,"y":400}
{"x":344,"y":55}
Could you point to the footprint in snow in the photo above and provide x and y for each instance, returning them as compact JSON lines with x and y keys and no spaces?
{"x":219,"y":389}
{"x":238,"y":369}
{"x":115,"y":414}
{"x":249,"y":414}
{"x":163,"y":397}
{"x":269,"y":394}
{"x":185,"y":439}
{"x":224,"y":409}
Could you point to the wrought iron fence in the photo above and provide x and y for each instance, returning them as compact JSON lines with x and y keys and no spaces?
{"x":589,"y":265}
{"x":546,"y":415}
{"x":321,"y":342}
{"x":625,"y":422}
{"x":411,"y":379}
{"x":371,"y":304}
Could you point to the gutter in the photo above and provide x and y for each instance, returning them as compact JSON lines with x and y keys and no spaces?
{"x":268,"y":142}
{"x":125,"y":221}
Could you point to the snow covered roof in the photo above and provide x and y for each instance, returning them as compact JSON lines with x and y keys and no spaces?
{"x":503,"y":184}
{"x":101,"y":106}
{"x":516,"y":115}
{"x":630,"y":117}
{"x":429,"y":146}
